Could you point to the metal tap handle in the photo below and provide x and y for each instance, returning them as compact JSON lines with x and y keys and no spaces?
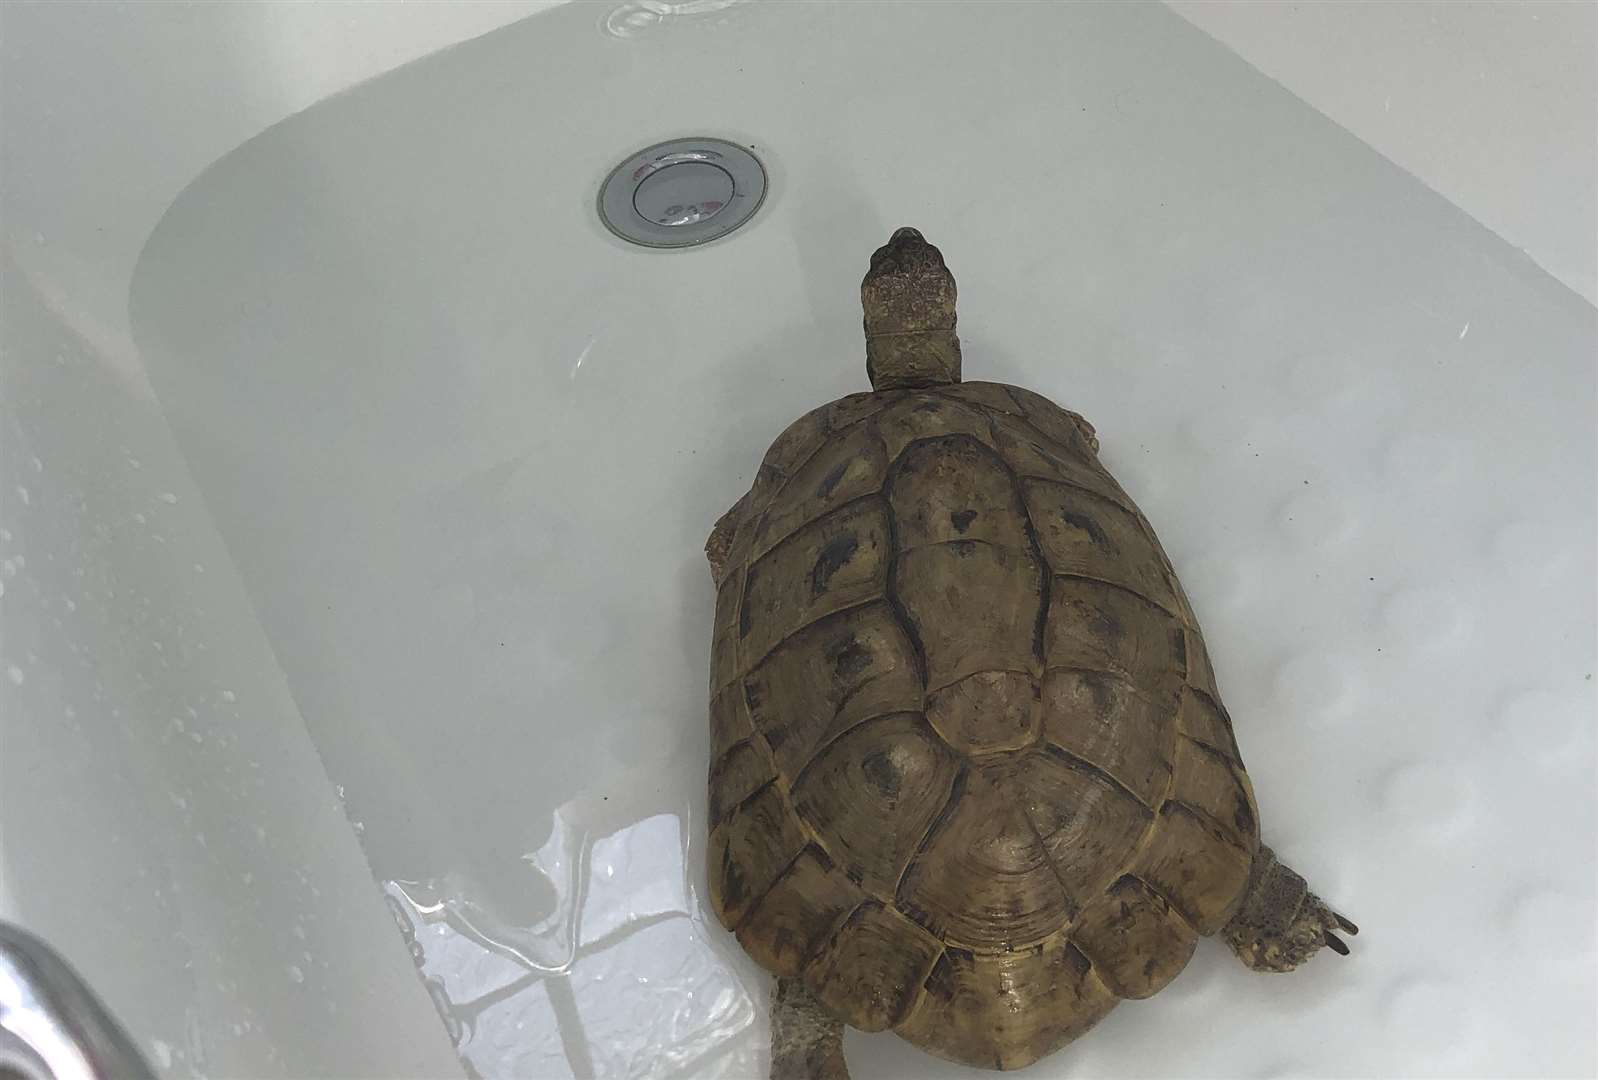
{"x":52,"y":1026}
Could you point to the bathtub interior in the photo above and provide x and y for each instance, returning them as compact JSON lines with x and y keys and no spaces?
{"x":454,"y":449}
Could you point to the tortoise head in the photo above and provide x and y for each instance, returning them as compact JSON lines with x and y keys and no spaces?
{"x":909,"y":299}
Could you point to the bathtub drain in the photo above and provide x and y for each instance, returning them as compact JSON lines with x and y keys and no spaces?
{"x":682,"y":193}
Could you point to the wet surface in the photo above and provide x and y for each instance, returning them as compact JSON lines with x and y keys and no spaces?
{"x":465,"y":448}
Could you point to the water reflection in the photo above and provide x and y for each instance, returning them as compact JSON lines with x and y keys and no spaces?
{"x":546,"y":944}
{"x":617,"y":979}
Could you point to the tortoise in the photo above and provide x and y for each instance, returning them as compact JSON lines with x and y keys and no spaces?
{"x":971,"y":778}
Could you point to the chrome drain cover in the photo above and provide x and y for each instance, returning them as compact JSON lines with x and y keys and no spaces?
{"x":683,"y":192}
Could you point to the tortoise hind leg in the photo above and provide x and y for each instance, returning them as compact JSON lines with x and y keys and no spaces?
{"x":1281,"y":923}
{"x":806,"y":1040}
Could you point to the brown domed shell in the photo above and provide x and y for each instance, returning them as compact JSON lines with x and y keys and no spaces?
{"x":971,"y":778}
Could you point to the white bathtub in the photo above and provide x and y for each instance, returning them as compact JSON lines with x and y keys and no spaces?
{"x":352,"y":563}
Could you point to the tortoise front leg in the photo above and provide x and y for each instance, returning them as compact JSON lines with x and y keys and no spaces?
{"x":806,"y":1040}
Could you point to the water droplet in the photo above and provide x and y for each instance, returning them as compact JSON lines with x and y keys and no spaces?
{"x":38,"y":466}
{"x":22,"y":493}
{"x":14,"y":673}
{"x":162,"y":1052}
{"x":229,"y":696}
{"x":295,"y":974}
{"x":168,"y":497}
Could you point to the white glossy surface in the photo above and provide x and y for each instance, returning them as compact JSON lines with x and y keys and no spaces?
{"x":168,"y":826}
{"x":1494,"y":105}
{"x":464,"y":446}
{"x":1472,"y":718}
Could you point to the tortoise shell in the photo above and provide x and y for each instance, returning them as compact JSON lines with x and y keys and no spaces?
{"x":970,"y":775}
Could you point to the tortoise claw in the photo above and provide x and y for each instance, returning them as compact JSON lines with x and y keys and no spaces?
{"x":1281,"y":924}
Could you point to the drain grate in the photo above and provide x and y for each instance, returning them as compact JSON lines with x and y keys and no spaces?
{"x":682,"y":193}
